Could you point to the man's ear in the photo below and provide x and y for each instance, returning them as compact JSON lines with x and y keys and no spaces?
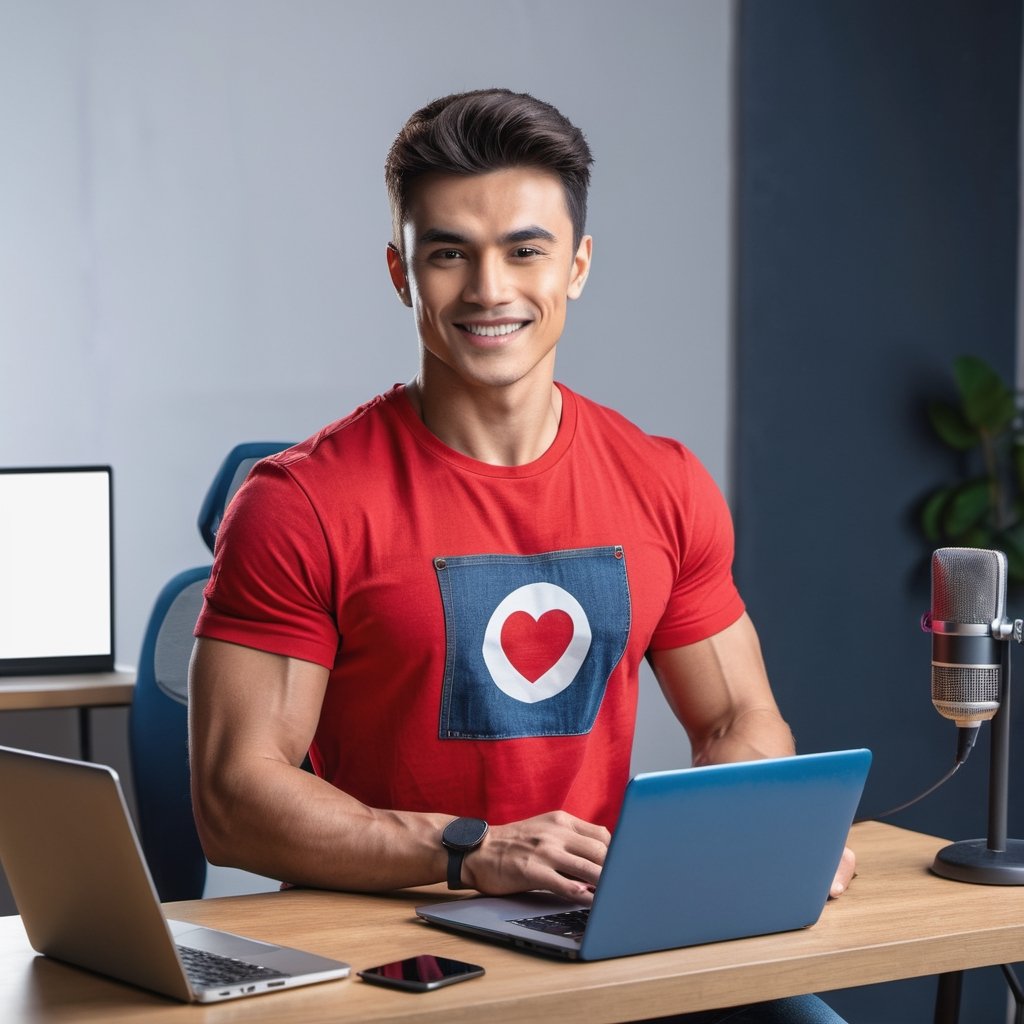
{"x":396,"y":268}
{"x":580,"y":267}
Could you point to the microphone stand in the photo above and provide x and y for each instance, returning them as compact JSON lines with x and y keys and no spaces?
{"x":997,"y":860}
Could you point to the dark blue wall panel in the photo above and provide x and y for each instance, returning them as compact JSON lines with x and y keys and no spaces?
{"x":877,"y":217}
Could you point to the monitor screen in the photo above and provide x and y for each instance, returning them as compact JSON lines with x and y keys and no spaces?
{"x":56,"y":570}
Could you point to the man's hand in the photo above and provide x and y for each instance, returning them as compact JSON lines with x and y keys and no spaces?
{"x":554,"y":851}
{"x":844,"y":873}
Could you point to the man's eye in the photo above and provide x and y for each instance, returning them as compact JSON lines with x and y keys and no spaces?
{"x":525,"y":251}
{"x":448,"y":254}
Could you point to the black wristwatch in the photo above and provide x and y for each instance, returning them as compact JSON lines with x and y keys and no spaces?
{"x":460,"y":837}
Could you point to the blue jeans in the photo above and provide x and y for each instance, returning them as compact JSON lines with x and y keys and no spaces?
{"x":794,"y":1010}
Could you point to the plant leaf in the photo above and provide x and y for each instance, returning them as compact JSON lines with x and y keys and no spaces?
{"x":951,"y":425}
{"x":979,"y":537}
{"x":931,"y":514}
{"x":967,"y":507}
{"x":988,"y":403}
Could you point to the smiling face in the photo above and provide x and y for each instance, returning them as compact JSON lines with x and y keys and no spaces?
{"x":488,"y":268}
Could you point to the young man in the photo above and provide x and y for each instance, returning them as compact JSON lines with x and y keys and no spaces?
{"x":445,"y":597}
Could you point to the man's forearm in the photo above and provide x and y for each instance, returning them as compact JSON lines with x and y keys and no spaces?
{"x":279,"y":821}
{"x":304,"y":830}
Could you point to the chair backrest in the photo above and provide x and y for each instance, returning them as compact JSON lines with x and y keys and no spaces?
{"x":158,"y":723}
{"x":158,"y":732}
{"x":233,"y":471}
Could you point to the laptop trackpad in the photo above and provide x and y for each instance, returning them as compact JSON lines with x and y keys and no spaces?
{"x":213,"y":941}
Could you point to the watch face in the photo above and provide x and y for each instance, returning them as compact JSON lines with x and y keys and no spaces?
{"x":464,"y":833}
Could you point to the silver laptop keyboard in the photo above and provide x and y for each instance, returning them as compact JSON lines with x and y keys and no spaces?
{"x":569,"y":924}
{"x":206,"y":969}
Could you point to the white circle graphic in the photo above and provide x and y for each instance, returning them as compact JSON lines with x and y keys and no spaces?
{"x":536,"y":599}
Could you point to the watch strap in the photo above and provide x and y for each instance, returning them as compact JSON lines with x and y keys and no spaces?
{"x":455,"y":858}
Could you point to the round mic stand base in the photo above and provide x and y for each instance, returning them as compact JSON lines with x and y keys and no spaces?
{"x":972,"y":861}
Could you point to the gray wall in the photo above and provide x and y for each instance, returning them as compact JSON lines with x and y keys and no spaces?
{"x":193,"y":221}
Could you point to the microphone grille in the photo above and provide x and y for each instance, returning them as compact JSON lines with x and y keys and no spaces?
{"x":968,"y":585}
{"x":965,"y":684}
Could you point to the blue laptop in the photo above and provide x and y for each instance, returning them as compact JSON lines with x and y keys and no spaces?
{"x":698,"y":855}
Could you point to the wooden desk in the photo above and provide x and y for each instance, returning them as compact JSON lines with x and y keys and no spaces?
{"x":85,"y":691}
{"x":897,"y":921}
{"x":90,"y":689}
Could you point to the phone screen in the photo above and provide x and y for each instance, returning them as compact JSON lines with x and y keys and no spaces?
{"x":421,"y":973}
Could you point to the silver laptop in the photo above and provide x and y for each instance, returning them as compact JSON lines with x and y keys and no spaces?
{"x":698,"y":855}
{"x":86,"y":897}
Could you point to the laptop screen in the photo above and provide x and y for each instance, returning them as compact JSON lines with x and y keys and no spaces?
{"x":56,"y":570}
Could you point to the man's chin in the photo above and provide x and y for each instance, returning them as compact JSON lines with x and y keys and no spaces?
{"x":494,"y":373}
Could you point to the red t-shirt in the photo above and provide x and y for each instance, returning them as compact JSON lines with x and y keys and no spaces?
{"x":483,"y":625}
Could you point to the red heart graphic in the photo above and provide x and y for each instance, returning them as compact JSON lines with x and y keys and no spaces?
{"x":534,"y":645}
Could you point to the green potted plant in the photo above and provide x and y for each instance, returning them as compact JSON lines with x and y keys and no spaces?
{"x":985,"y":508}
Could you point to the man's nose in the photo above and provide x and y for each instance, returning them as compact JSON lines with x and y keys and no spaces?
{"x":489,"y":282}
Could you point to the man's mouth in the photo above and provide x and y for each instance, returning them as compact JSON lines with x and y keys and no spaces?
{"x":493,"y":330}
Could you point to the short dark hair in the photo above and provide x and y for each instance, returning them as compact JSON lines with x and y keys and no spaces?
{"x":488,"y":130}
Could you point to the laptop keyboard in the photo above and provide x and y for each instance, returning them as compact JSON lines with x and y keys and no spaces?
{"x":207,"y":969}
{"x":569,"y":924}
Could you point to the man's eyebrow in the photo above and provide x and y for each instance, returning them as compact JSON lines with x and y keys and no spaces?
{"x":434,"y":235}
{"x":533,"y":233}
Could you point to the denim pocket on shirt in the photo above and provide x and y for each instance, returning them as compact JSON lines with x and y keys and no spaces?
{"x":531,"y":641}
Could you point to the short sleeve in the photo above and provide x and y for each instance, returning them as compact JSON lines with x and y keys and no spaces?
{"x":704,"y":599}
{"x":271,"y":583}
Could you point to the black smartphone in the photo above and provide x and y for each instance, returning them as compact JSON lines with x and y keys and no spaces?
{"x":421,"y":973}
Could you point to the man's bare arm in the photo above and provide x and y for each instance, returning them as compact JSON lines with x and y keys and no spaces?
{"x":719,"y":690}
{"x":252,"y":716}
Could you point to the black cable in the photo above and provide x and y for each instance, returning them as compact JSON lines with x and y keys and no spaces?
{"x":965,"y":737}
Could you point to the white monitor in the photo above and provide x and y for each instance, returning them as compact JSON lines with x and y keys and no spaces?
{"x":56,"y":570}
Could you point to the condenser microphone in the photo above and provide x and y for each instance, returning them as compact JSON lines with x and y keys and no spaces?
{"x":968,"y":623}
{"x":971,"y":684}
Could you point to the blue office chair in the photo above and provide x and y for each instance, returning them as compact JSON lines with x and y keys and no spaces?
{"x":233,"y":471}
{"x":158,"y":722}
